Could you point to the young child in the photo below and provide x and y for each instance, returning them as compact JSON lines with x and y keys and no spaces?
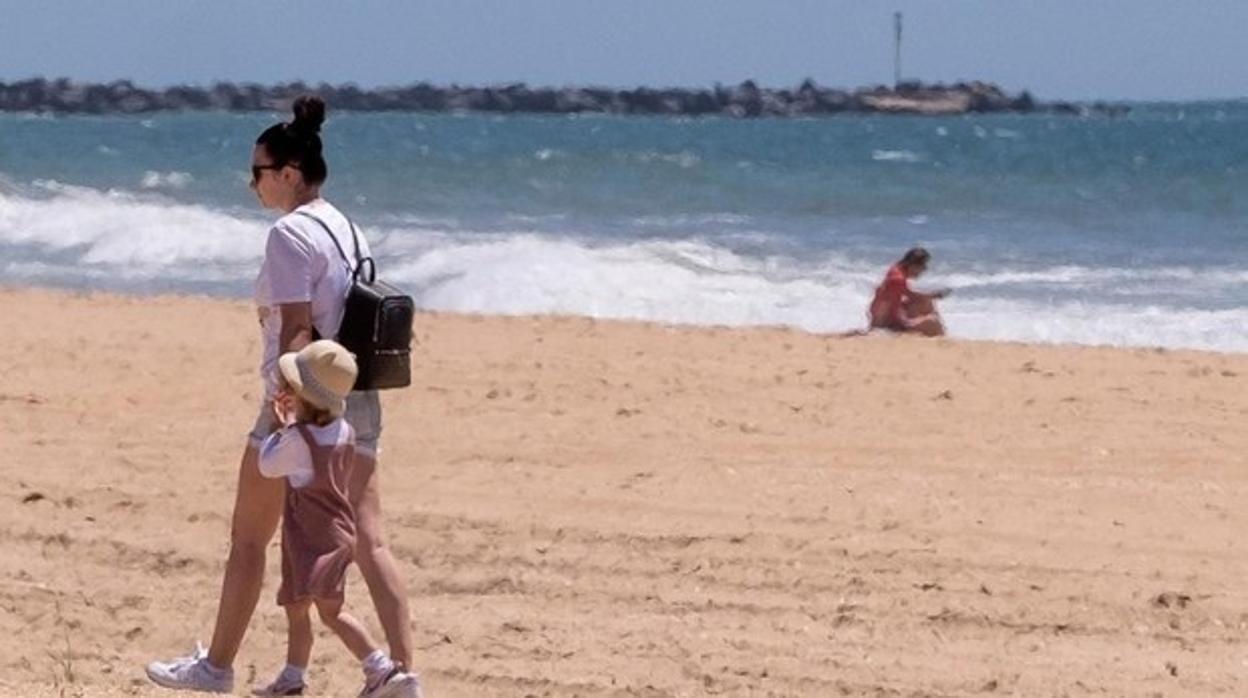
{"x":314,"y":452}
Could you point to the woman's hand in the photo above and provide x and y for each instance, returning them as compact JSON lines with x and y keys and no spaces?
{"x":284,"y":408}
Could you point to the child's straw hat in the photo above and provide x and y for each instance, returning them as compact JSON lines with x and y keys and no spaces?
{"x":321,"y":373}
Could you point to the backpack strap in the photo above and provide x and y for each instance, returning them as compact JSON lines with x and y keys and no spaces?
{"x":355,"y":239}
{"x":307,"y":436}
{"x":359,"y":261}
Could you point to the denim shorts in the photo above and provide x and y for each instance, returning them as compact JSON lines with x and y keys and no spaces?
{"x":363,"y":414}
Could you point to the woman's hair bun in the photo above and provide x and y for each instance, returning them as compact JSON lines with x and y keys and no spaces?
{"x":309,"y":114}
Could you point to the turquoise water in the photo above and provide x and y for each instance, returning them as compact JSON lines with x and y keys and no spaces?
{"x":1126,"y":231}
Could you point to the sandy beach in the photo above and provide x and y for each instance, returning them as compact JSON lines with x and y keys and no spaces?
{"x":591,"y":508}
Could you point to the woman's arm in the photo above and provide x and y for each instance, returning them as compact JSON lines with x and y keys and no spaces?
{"x":289,"y":257}
{"x":296,"y":326}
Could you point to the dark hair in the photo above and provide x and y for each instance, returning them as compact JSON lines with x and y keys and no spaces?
{"x":319,"y":415}
{"x":298,"y":142}
{"x":916,"y":257}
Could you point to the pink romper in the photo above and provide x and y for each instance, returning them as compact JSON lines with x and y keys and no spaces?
{"x":318,"y":526}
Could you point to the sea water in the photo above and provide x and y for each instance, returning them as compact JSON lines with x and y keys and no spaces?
{"x":1121,"y":231}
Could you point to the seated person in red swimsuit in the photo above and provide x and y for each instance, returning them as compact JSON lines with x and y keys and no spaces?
{"x":899,"y":308}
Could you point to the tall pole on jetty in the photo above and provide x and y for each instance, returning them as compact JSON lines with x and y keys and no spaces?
{"x":897,"y":50}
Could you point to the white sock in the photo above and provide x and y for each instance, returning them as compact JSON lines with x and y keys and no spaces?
{"x":291,"y":674}
{"x":377,"y":665}
{"x":213,"y":670}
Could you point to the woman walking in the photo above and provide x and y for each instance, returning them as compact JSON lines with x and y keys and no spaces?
{"x":300,"y":295}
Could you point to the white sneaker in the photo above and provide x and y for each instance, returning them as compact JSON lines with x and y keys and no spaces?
{"x":398,"y":684}
{"x":192,"y":673}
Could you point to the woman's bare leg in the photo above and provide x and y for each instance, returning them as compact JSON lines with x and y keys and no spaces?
{"x":924,"y":319}
{"x":346,"y":627}
{"x":377,"y":565}
{"x":257,"y":511}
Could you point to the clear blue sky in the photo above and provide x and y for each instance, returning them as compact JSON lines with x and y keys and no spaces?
{"x":1080,"y":49}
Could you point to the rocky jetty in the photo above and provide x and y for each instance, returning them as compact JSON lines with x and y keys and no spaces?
{"x":744,"y":100}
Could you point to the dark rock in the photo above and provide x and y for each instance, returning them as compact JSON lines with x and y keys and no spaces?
{"x":575,"y":101}
{"x":1024,"y":102}
{"x":1172,"y":599}
{"x":700,"y":102}
{"x":748,"y":97}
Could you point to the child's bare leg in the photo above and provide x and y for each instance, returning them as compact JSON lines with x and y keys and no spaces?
{"x":298,"y":651}
{"x":346,"y":627}
{"x":379,"y":670}
{"x":299,"y":634}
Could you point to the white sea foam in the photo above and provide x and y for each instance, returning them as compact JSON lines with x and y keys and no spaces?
{"x":1179,"y":277}
{"x":677,"y":220}
{"x":129,"y":233}
{"x":684,"y":159}
{"x":165,"y":180}
{"x":52,"y":232}
{"x":684,"y":282}
{"x":1098,"y":324}
{"x":895,"y":156}
{"x":692,"y":282}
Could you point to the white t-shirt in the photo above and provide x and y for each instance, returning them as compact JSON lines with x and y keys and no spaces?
{"x":285,"y":454}
{"x":301,"y":264}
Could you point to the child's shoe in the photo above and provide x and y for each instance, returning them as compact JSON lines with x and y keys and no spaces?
{"x":287,"y":683}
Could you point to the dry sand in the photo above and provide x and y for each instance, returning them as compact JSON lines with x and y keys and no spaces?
{"x":602,"y":508}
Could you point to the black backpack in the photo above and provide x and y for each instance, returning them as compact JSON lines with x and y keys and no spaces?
{"x":377,"y":323}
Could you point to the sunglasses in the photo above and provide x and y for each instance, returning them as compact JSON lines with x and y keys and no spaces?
{"x":257,"y":170}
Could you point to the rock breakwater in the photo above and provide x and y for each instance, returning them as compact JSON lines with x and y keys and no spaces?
{"x":743,"y":101}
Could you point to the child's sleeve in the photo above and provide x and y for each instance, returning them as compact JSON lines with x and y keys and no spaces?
{"x":284,"y":453}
